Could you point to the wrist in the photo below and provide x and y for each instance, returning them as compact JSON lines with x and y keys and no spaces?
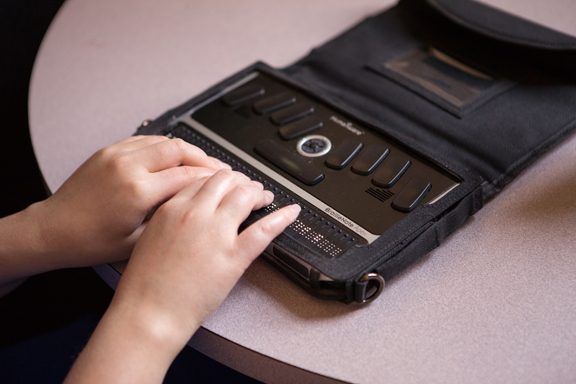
{"x":40,"y":221}
{"x":23,"y":251}
{"x":61,"y":238}
{"x":151,"y":324}
{"x":51,"y":238}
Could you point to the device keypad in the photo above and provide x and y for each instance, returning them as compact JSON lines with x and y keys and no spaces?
{"x":273,"y":103}
{"x":367,"y":177}
{"x":243,"y":94}
{"x":289,"y":161}
{"x":411,"y":195}
{"x":293,"y":113}
{"x":344,"y":154}
{"x":391,"y":171}
{"x":369,"y":159}
{"x":300,"y":128}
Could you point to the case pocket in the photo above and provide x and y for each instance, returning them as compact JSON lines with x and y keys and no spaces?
{"x":446,"y":82}
{"x":471,"y":53}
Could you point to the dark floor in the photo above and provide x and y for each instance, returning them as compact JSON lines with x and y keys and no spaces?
{"x":45,"y":322}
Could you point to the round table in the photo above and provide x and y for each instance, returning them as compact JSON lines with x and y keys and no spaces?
{"x":494,"y":303}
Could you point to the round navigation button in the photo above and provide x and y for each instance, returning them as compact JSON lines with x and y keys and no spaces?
{"x":314,"y":146}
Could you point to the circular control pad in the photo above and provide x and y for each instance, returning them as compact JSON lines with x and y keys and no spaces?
{"x":314,"y":146}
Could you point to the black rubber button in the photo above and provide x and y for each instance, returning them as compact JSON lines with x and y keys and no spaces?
{"x":289,"y":162}
{"x":344,"y":154}
{"x":369,"y":159}
{"x":291,"y":114}
{"x":274,"y":103}
{"x":391,"y":171}
{"x":300,"y":128}
{"x":243,"y":94}
{"x":314,"y":145}
{"x":411,"y":195}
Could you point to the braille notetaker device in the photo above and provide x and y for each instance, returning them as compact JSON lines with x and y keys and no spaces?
{"x":352,"y":182}
{"x":386,"y":150}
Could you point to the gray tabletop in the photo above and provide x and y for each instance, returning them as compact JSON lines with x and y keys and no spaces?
{"x":494,"y":303}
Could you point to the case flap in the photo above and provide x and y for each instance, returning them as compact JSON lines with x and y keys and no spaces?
{"x":491,"y":22}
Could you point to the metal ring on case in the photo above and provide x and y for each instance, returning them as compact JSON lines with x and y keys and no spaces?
{"x":379,"y":280}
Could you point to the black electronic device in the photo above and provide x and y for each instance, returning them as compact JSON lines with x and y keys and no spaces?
{"x":389,"y":136}
{"x":352,"y":182}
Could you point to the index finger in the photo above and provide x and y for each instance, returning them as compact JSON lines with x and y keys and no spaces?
{"x":175,"y":152}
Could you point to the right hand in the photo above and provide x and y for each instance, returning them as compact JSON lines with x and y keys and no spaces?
{"x":191,"y":255}
{"x":185,"y":263}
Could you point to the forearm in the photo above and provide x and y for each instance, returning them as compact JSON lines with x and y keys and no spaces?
{"x":22,"y":249}
{"x":132,"y":344}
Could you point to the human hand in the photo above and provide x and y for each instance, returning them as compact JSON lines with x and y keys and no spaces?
{"x":99,"y":212}
{"x":185,"y":263}
{"x":191,"y":255}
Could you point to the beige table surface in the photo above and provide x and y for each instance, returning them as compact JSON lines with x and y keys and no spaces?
{"x":496,"y":303}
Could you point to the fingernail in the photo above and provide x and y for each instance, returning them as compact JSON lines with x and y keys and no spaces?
{"x":270,"y":194}
{"x":295,"y":208}
{"x":223,"y":165}
{"x":259,"y":184}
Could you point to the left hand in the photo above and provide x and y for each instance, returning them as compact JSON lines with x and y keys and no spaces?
{"x":100,"y":211}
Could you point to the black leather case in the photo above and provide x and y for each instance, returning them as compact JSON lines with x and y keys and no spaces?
{"x":511,"y":97}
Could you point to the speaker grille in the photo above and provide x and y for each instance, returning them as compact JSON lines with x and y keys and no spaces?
{"x":380,"y":194}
